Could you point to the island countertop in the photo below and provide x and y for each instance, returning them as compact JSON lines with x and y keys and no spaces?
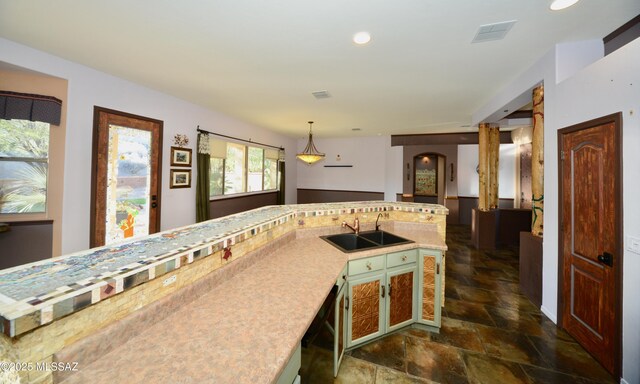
{"x":37,"y":294}
{"x":247,"y":328}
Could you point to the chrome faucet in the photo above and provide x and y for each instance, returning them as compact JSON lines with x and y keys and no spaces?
{"x":378,"y":218}
{"x":355,"y":228}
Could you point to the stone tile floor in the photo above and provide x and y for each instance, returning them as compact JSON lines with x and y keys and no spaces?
{"x":490,"y":333}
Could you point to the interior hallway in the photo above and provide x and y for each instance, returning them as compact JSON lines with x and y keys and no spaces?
{"x":490,"y":333}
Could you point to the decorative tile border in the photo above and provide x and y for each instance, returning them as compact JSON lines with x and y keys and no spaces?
{"x":39,"y":293}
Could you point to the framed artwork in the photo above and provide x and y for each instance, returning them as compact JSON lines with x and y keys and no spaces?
{"x":425,"y":175}
{"x":180,"y":157}
{"x":180,"y":178}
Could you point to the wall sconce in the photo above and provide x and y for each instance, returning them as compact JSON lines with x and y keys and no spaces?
{"x":451,"y":167}
{"x":408,"y":171}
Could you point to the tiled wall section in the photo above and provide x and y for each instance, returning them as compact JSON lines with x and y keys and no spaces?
{"x":37,"y":340}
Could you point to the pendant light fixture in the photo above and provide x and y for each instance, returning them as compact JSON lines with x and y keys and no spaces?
{"x":310,"y":154}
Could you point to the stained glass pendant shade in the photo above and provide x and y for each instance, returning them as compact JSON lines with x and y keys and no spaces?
{"x":310,"y":154}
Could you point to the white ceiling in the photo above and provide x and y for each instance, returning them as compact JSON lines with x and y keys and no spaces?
{"x":259,"y":61}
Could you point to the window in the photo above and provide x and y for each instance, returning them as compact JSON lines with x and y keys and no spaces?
{"x":24,"y":158}
{"x":246,"y":169}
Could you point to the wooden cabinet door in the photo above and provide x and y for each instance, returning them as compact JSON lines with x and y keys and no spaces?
{"x":429,"y":287}
{"x":365,"y":308}
{"x":339,"y":329}
{"x":401,"y":297}
{"x":590,"y":261}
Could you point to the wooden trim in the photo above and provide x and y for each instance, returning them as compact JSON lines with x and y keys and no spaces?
{"x":622,"y":29}
{"x":476,"y":197}
{"x":27,"y":222}
{"x":336,"y":190}
{"x":236,"y":196}
{"x":443,"y":138}
{"x":615,"y":118}
{"x":622,"y":36}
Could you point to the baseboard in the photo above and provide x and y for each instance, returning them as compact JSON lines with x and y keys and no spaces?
{"x":548,"y":314}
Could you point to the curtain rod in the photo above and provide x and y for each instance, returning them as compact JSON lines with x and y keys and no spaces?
{"x":235,"y":138}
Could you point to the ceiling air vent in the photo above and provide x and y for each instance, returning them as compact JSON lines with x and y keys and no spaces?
{"x":490,"y":32}
{"x":321,"y":95}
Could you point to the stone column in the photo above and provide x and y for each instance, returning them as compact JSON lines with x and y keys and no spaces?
{"x":494,"y":165}
{"x":483,"y":166}
{"x":537,"y":162}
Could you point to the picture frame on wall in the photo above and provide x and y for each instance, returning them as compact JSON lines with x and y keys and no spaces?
{"x":180,"y":157}
{"x":425,"y":179}
{"x":180,"y":178}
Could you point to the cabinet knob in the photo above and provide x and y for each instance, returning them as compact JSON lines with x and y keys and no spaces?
{"x":404,"y":257}
{"x":369,"y":265}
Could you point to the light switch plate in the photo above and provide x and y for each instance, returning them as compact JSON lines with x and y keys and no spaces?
{"x":633,"y":244}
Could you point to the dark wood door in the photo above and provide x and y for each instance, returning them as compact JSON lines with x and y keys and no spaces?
{"x":125,"y":190}
{"x":590,"y":239}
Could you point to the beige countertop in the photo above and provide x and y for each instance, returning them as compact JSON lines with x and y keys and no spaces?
{"x":247,"y":328}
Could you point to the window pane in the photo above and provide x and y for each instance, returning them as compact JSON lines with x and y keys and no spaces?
{"x":216,"y":175}
{"x":128,"y":183}
{"x":234,"y":169}
{"x":23,"y":184}
{"x":22,"y":138}
{"x":23,"y":187}
{"x":254,"y":179}
{"x":270,"y":174}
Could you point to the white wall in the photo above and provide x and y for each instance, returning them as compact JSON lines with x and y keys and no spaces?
{"x":367,"y":155}
{"x":613,"y":85}
{"x":609,"y":85}
{"x":467,"y":178}
{"x":393,"y":178}
{"x":89,"y":88}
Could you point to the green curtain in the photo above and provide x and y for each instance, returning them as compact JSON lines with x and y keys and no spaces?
{"x":202,"y":184}
{"x":281,"y":170}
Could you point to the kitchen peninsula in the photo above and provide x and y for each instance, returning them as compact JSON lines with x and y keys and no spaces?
{"x":227,"y":300}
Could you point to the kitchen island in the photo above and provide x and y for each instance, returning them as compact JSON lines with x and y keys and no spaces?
{"x":231,"y":308}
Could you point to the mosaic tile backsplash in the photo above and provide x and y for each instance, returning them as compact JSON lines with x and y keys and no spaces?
{"x":38,"y":293}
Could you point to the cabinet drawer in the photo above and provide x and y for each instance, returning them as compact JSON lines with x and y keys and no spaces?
{"x":368,"y":264}
{"x":402,"y":258}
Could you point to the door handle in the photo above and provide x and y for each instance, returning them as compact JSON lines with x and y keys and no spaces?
{"x":346,"y":299}
{"x":154,"y":205}
{"x":389,"y":289}
{"x":606,"y":258}
{"x":383,"y":287}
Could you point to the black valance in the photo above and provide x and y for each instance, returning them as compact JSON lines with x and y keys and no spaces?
{"x":26,"y":106}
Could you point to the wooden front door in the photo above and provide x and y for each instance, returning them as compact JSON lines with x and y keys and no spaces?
{"x":591,"y":229}
{"x":126,"y":174}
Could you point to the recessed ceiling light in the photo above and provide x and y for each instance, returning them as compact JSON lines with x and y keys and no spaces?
{"x":557,"y":5}
{"x":362,"y":38}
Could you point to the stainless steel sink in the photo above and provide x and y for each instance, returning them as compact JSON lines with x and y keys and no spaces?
{"x":350,"y":242}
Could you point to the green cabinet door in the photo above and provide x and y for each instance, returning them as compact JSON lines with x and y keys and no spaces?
{"x":402,"y":298}
{"x":429,"y":287}
{"x":365,"y":308}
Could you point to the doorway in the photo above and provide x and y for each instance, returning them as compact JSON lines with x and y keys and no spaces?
{"x":590,"y":254}
{"x":126,"y":176}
